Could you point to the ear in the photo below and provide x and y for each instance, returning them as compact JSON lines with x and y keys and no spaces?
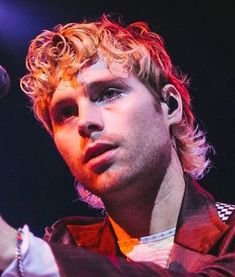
{"x":172,"y":106}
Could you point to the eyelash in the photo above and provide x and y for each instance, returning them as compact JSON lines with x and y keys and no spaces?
{"x":66,"y":113}
{"x":117,"y":92}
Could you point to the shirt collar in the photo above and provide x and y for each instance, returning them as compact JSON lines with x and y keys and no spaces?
{"x":199,"y":226}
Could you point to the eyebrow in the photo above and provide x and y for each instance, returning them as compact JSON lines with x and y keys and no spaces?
{"x":104,"y":83}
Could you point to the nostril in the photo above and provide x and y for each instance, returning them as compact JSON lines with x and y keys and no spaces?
{"x":87,"y":129}
{"x":93,"y":127}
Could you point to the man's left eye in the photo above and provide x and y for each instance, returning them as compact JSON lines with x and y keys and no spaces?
{"x":109,"y":95}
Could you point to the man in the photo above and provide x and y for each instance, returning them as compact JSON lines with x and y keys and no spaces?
{"x":121,"y":118}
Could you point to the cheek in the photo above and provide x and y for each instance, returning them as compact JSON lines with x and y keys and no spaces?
{"x":144,"y":119}
{"x":149,"y":128}
{"x":64,"y":145}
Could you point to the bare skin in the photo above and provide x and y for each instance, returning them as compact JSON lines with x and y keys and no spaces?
{"x":169,"y":198}
{"x":154,"y":212}
{"x":7,"y":244}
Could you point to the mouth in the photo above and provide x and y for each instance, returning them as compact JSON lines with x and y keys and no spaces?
{"x":97,"y":150}
{"x":100,"y":157}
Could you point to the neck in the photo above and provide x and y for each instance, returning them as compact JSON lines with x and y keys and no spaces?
{"x":169,"y":198}
{"x":153,"y":210}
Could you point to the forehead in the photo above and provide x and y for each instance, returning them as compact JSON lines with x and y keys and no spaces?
{"x":100,"y":70}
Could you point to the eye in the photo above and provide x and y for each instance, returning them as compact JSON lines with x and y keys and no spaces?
{"x":109,"y":95}
{"x":65,"y":113}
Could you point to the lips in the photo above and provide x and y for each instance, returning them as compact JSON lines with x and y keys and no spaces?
{"x":96,"y":150}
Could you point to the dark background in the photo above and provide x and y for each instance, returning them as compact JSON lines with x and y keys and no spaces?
{"x":35,"y":186}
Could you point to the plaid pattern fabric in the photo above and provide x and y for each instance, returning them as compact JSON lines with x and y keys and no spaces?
{"x":224,"y":210}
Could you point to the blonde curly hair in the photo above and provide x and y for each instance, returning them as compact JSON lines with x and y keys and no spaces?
{"x":62,"y":52}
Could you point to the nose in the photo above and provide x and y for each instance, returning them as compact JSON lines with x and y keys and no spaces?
{"x":90,"y":119}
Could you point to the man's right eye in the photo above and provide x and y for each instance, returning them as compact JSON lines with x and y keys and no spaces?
{"x":66,"y":113}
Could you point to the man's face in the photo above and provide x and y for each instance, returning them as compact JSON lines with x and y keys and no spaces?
{"x":108,"y":130}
